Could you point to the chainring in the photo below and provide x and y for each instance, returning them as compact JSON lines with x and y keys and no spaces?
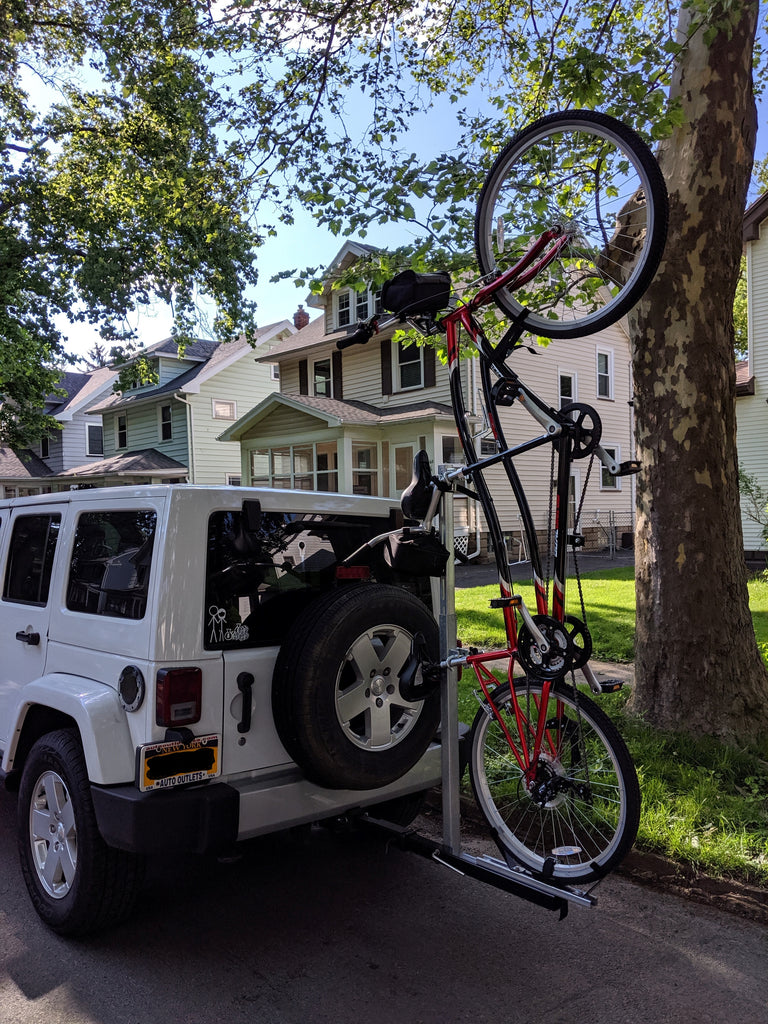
{"x":551,"y":664}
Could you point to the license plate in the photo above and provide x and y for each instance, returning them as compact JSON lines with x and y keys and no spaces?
{"x":164,"y":765}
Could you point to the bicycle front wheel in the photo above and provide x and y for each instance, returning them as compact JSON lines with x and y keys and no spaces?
{"x":597,"y":180}
{"x":574,"y":814}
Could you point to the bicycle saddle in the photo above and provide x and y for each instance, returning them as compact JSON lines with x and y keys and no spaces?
{"x":415,"y":499}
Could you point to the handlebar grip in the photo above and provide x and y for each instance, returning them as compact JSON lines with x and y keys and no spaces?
{"x":362,"y":336}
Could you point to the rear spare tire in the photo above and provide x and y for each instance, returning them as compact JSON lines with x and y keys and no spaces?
{"x":337,"y":699}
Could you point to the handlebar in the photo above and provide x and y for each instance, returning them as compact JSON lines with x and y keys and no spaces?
{"x":365,"y":331}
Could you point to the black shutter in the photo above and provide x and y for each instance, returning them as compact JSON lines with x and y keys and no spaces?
{"x":303,"y":378}
{"x":336,"y":378}
{"x":386,"y":367}
{"x":429,"y":366}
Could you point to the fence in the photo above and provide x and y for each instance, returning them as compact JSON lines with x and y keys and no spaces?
{"x":603,"y":530}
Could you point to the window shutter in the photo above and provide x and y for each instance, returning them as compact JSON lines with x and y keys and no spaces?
{"x":386,"y":367}
{"x":336,"y":379}
{"x":303,"y":378}
{"x":429,"y":366}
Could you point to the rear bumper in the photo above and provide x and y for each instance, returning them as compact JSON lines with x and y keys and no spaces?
{"x":185,"y":820}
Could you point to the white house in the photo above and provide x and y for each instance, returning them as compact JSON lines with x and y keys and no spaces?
{"x":352,"y":421}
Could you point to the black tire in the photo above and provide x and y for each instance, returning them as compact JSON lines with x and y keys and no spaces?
{"x":579,"y":812}
{"x":350,"y":639}
{"x":76,"y":882}
{"x":595,"y":177}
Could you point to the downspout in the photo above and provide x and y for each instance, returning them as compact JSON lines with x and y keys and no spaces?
{"x":190,"y":436}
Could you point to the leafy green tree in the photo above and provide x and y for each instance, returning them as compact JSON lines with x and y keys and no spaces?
{"x":120,"y":192}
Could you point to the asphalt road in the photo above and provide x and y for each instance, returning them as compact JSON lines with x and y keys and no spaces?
{"x":326,"y":929}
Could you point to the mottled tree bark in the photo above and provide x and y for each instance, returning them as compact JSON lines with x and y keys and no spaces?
{"x":697,"y":665}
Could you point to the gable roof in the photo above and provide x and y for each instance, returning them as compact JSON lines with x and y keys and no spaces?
{"x":80,"y":389}
{"x":211,"y":358}
{"x":755,"y":214}
{"x":336,"y":413}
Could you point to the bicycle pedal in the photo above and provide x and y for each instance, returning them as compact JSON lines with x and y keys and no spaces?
{"x":628,"y":468}
{"x":515,"y":601}
{"x":610,"y":685}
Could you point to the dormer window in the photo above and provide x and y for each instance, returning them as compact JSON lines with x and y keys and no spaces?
{"x":344,"y":309}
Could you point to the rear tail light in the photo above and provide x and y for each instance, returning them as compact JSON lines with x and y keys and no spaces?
{"x":178,"y":696}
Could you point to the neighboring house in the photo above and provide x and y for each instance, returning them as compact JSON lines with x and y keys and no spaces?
{"x":352,"y":421}
{"x":168,"y":431}
{"x":38,"y":469}
{"x":752,"y":374}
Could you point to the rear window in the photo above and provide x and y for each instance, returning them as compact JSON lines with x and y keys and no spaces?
{"x":111,"y":560}
{"x":259,"y":579}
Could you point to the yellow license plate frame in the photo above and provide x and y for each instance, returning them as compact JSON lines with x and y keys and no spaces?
{"x":171,"y":763}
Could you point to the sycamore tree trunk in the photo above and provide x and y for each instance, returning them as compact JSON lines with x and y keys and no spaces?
{"x":697,"y":664}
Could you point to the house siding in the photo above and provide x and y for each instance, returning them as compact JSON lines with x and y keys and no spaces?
{"x":246,"y":383}
{"x":752,"y":410}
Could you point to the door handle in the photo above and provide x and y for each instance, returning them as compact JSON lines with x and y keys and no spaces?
{"x":33,"y":639}
{"x":244,"y":684}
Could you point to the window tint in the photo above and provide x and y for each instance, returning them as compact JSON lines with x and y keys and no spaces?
{"x":30,"y":561}
{"x":111,"y":557}
{"x":258,"y":580}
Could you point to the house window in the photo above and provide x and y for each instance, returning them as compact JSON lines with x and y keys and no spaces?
{"x":322,"y":378}
{"x":224,"y":410}
{"x":166,"y":423}
{"x":365,"y":473}
{"x":608,"y":482}
{"x":303,"y":467}
{"x":233,"y":480}
{"x":121,"y":431}
{"x":452,"y":453}
{"x":94,"y":439}
{"x":361,"y":305}
{"x":566,"y":388}
{"x":409,"y":367}
{"x":604,"y":373}
{"x":274,"y":371}
{"x":344,"y":309}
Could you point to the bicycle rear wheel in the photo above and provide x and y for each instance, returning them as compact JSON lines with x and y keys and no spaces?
{"x":599,"y":181}
{"x":578,"y":810}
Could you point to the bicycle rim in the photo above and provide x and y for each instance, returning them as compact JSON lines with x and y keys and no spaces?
{"x":577,"y":813}
{"x":599,"y":181}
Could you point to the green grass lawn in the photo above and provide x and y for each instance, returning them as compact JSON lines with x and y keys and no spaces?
{"x":704,"y":803}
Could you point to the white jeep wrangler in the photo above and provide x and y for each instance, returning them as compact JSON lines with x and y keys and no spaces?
{"x":185,"y":667}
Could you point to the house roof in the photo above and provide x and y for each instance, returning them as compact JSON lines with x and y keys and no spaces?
{"x":754,"y":216}
{"x":337,"y":413}
{"x":80,"y":388}
{"x":211,"y":358}
{"x":146,"y":462}
{"x":745,"y":384}
{"x":22,"y":465}
{"x":308,"y":337}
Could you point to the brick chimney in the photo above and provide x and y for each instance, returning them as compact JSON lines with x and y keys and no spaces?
{"x":300,"y":318}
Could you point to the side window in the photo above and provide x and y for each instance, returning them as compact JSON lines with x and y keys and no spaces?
{"x":30,"y":560}
{"x":111,"y":559}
